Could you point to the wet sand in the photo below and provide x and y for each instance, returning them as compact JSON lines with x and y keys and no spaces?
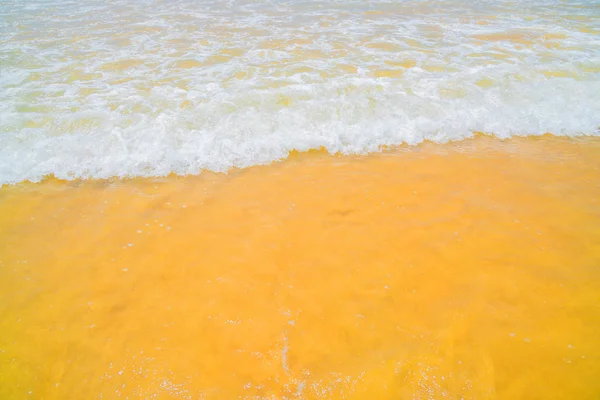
{"x":458,"y":270}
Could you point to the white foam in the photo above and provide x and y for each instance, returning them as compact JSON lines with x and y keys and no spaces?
{"x":214,"y":85}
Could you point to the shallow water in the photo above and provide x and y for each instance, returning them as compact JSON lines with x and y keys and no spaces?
{"x":448,"y":265}
{"x":145,"y":88}
{"x":466,"y":270}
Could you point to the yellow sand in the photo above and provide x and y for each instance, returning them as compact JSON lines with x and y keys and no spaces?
{"x":466,"y":270}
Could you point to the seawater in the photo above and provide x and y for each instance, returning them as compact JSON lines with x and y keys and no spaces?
{"x":449,"y":249}
{"x":124,"y":88}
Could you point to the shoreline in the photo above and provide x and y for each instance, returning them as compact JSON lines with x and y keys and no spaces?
{"x":461,"y":144}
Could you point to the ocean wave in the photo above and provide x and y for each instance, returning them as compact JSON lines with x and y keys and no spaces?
{"x":192,"y":86}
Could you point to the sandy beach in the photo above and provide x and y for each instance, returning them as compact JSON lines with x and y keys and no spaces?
{"x":457,"y":270}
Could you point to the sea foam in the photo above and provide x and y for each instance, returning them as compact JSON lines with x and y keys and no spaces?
{"x":147,"y":88}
